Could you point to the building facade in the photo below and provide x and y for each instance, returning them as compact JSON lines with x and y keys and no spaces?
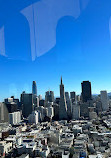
{"x":27,"y":103}
{"x":34,"y":88}
{"x":63,"y":105}
{"x":104,"y":100}
{"x":86,"y":91}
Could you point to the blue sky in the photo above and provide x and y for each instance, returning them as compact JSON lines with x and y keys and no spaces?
{"x":78,"y":48}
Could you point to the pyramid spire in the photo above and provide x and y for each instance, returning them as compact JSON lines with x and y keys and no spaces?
{"x":61,"y":80}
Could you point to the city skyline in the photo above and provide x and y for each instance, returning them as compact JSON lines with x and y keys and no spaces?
{"x":55,"y":78}
{"x":82,"y":50}
{"x":43,"y":95}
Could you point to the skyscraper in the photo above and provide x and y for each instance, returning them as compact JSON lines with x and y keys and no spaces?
{"x":75,"y":111}
{"x":86,"y":91}
{"x":49,"y":96}
{"x":69,"y":105}
{"x":67,"y":95}
{"x":104,"y":100}
{"x":14,"y":118}
{"x":34,"y":88}
{"x":33,"y":117}
{"x":73,"y":96}
{"x":63,"y":105}
{"x":27,"y":103}
{"x":11,"y":105}
{"x":34,"y":93}
{"x":3,"y":113}
{"x":40,"y":97}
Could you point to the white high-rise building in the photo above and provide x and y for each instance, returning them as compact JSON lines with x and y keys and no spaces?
{"x":40,"y":97}
{"x":75,"y":111}
{"x":33,"y":118}
{"x":14,"y":118}
{"x":37,"y":101}
{"x":50,"y":112}
{"x":104,"y":100}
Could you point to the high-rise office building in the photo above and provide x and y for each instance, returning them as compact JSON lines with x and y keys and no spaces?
{"x":27,"y":103}
{"x":40,"y":97}
{"x":34,"y":93}
{"x":78,"y":98}
{"x":86,"y":91}
{"x":11,"y":105}
{"x":69,"y":105}
{"x":8,"y":100}
{"x":34,"y":88}
{"x":104,"y":100}
{"x":16,"y":100}
{"x":14,"y":118}
{"x":84,"y":111}
{"x":56,"y":111}
{"x":73,"y":96}
{"x":35,"y":101}
{"x":75,"y":111}
{"x":50,"y":111}
{"x":98,"y":106}
{"x":69,"y":108}
{"x":33,"y":117}
{"x":57,"y":100}
{"x":49,"y":96}
{"x":41,"y":102}
{"x":3,"y":113}
{"x":67,"y":95}
{"x":63,"y":105}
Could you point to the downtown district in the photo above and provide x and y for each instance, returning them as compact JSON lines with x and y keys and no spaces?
{"x":75,"y":126}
